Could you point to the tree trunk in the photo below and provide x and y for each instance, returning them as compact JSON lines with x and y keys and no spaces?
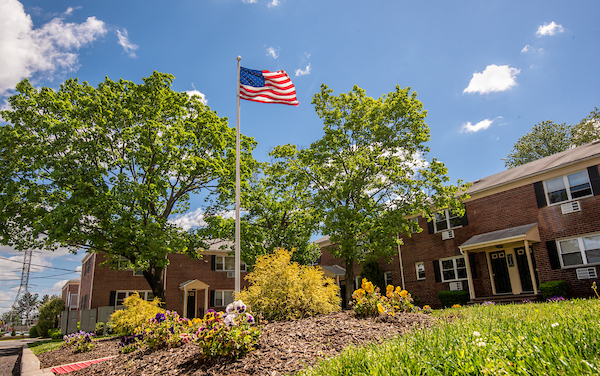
{"x":349,"y":281}
{"x":154,"y":277}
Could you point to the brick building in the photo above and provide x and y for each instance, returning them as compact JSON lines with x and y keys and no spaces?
{"x":534,"y":223}
{"x":191,"y":286}
{"x":70,"y":294}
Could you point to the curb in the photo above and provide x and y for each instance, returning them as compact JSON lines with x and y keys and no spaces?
{"x":30,"y":364}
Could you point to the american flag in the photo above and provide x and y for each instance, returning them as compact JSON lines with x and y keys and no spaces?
{"x":267,"y":87}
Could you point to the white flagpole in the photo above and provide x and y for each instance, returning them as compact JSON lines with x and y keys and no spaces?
{"x":237,"y":187}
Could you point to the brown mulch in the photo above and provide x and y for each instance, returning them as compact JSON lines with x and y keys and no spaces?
{"x":284,"y":348}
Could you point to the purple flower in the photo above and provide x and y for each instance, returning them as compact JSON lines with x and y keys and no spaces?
{"x":160,"y":317}
{"x":249,"y":318}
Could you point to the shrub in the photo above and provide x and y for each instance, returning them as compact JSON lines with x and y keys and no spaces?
{"x":79,"y":341}
{"x":99,"y":330}
{"x":137,"y":312}
{"x":554,"y":288}
{"x":33,"y":332}
{"x":372,"y":272}
{"x":281,"y":289}
{"x":450,"y":298}
{"x":48,"y":316}
{"x":55,"y":334}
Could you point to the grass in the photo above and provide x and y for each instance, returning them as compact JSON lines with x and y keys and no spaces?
{"x":561,"y":338}
{"x":39,"y":347}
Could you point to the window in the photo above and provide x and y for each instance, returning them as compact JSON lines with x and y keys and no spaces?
{"x":121,"y":295}
{"x":223,"y":298}
{"x":453,"y":269}
{"x":580,"y":251}
{"x":123,"y":264}
{"x":87,"y":266}
{"x":227,"y":264}
{"x":568,"y":187}
{"x":420,"y":266}
{"x":446,"y":220}
{"x":387,"y":277}
{"x":414,"y":225}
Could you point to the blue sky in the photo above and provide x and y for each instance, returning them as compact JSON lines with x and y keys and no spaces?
{"x":486,"y":71}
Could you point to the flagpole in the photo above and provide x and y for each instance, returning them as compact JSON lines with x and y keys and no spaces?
{"x":237,"y":187}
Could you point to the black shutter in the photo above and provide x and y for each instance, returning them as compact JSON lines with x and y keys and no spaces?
{"x":540,"y":196}
{"x":213,"y":262}
{"x":436,"y":271}
{"x":553,"y":254}
{"x":594,"y":179}
{"x":211,"y":303}
{"x":472,"y":265}
{"x":112,"y":299}
{"x":463,"y":220}
{"x":430,"y":227}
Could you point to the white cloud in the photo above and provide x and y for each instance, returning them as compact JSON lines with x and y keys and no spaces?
{"x":189,"y":220}
{"x":549,"y":29}
{"x":482,"y":125}
{"x":57,"y":288}
{"x":249,"y":1}
{"x":70,"y":10}
{"x":274,"y":3}
{"x":494,"y":78}
{"x":124,"y":41}
{"x":191,"y":93}
{"x":25,"y":51}
{"x":527,"y":48}
{"x":300,"y":72}
{"x":274,"y":53}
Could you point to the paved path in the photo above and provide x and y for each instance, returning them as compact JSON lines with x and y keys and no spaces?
{"x":9,"y":354}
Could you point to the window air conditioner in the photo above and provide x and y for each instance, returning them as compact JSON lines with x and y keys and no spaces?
{"x":230,"y":274}
{"x":586,"y":273}
{"x":570,"y":207}
{"x":456,"y":286}
{"x":448,"y":235}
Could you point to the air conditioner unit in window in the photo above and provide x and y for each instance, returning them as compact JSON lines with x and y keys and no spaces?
{"x":447,"y":234}
{"x":456,"y":286}
{"x":570,"y":207}
{"x":230,"y":274}
{"x":586,"y":273}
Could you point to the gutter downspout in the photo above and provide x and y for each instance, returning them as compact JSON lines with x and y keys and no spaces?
{"x":400,"y":261}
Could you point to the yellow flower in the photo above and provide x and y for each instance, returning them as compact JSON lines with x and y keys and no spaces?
{"x":426,"y":307}
{"x":380,"y":308}
{"x":368,"y":287}
{"x":398,"y":289}
{"x":389,"y":288}
{"x":456,"y":306}
{"x":403,"y":293}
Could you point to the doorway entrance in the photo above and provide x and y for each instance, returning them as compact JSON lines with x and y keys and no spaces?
{"x":500,"y":272}
{"x":191,"y":304}
{"x":524,"y":272}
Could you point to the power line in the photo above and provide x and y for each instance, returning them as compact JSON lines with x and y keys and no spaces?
{"x":45,"y":277}
{"x":41,"y":266}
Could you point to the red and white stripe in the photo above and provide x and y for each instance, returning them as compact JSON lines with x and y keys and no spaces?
{"x":278,"y":89}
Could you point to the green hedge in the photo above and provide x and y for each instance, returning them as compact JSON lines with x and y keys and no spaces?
{"x":450,"y":298}
{"x":554,"y":288}
{"x":33,"y":332}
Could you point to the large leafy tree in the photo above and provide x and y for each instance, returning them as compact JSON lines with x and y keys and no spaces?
{"x":544,"y":139}
{"x":277,"y":213}
{"x":102,"y":169}
{"x":588,"y":129}
{"x":368,"y":172}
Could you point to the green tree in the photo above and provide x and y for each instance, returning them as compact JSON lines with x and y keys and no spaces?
{"x":276,"y":214}
{"x":588,"y":129}
{"x":368,"y":172}
{"x":27,"y":307}
{"x":544,"y":139}
{"x":102,"y":169}
{"x":48,"y":317}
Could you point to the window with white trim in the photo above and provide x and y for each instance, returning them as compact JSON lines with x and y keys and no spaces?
{"x":223,"y":298}
{"x":446,"y":220}
{"x":227,"y":264}
{"x":420,"y":267}
{"x":121,"y":295}
{"x":124,"y":264}
{"x":453,"y":269}
{"x":580,"y":251}
{"x":568,"y":187}
{"x":387,"y":277}
{"x":357,"y":283}
{"x":414,"y":229}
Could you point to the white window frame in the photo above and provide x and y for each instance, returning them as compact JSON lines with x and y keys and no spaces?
{"x":223,"y":296}
{"x":415,"y":220}
{"x":448,"y":216}
{"x":454,"y":267}
{"x":566,"y":184}
{"x":357,"y":283}
{"x":144,"y":294}
{"x":582,"y":250}
{"x":387,"y":278}
{"x":223,"y":264}
{"x":420,"y":266}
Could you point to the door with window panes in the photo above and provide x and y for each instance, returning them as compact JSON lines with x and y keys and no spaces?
{"x":500,"y":272}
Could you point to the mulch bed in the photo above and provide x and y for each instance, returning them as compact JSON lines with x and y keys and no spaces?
{"x":284,"y":348}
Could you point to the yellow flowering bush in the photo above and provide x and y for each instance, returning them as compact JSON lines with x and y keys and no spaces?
{"x":368,"y":301}
{"x":137,"y":312}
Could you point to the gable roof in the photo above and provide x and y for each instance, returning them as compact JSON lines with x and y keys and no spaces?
{"x":559,"y":160}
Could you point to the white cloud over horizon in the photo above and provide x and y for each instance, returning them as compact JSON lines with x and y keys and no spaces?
{"x":549,"y":29}
{"x":274,"y":53}
{"x":494,"y":78}
{"x":124,"y":42}
{"x":25,"y":50}
{"x":274,"y":3}
{"x":303,"y":72}
{"x":482,"y":125}
{"x":191,"y":93}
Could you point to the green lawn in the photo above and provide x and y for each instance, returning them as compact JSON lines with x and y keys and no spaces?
{"x":560,"y":338}
{"x":46,"y":345}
